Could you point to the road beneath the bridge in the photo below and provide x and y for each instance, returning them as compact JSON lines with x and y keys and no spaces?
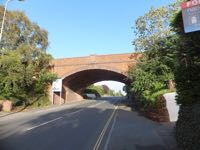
{"x":90,"y":125}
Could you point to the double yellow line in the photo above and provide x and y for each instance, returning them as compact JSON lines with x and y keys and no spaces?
{"x":98,"y":143}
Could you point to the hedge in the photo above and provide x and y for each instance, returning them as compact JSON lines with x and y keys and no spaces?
{"x":188,"y":127}
{"x":187,"y":78}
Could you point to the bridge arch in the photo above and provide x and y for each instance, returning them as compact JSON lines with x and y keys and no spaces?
{"x":93,"y":67}
{"x":79,"y":72}
{"x":85,"y":76}
{"x":75,"y":82}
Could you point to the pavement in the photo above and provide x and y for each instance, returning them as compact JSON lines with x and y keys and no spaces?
{"x":46,"y":109}
{"x":134,"y":132}
{"x":107,"y":124}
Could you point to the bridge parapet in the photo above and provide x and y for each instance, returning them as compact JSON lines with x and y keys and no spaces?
{"x":118,"y":61}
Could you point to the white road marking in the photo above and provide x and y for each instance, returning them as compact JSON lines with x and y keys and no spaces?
{"x":97,"y":144}
{"x":70,"y":114}
{"x":110,"y":133}
{"x":43,"y":124}
{"x":83,"y":109}
{"x":96,"y":105}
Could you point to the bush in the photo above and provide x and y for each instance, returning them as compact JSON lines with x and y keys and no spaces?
{"x":187,"y":77}
{"x":24,"y":64}
{"x":41,"y":102}
{"x":188,"y":127}
{"x":95,"y":88}
{"x":149,"y":80}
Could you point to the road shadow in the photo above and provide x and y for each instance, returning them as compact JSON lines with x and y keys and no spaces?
{"x":152,"y":147}
{"x":108,"y":99}
{"x":73,"y":131}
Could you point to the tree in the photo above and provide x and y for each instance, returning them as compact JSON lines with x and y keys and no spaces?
{"x":24,"y":64}
{"x":154,"y":35}
{"x":152,"y":27}
{"x":106,"y":89}
{"x":156,"y":40}
{"x":19,"y":31}
{"x":97,"y":88}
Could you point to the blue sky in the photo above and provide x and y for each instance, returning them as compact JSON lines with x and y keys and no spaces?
{"x":85,"y":27}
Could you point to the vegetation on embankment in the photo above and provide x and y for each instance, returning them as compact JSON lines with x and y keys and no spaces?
{"x":102,"y":90}
{"x":156,"y":68}
{"x":169,"y":54}
{"x":24,"y":64}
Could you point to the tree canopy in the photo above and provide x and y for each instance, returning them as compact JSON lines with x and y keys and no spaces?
{"x":24,"y":64}
{"x":19,"y":31}
{"x":155,"y":39}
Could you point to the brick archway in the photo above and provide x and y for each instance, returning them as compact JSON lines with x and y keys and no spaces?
{"x":93,"y":67}
{"x":78,"y":73}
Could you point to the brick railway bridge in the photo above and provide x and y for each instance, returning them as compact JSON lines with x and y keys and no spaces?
{"x":80,"y":72}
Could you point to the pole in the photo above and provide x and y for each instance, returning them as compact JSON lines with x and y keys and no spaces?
{"x":60,"y":97}
{"x":52,"y":97}
{"x":61,"y":92}
{"x":4,"y":15}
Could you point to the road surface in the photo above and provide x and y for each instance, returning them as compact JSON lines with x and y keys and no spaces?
{"x":89,"y":125}
{"x":77,"y":128}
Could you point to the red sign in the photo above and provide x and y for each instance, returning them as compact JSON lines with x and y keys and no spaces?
{"x":191,"y":3}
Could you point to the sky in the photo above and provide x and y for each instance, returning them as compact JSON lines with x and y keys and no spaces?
{"x":86,"y":27}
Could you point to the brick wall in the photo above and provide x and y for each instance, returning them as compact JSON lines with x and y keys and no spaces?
{"x":119,"y":62}
{"x":159,"y":112}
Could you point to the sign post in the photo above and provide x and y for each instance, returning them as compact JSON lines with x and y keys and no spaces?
{"x":191,"y":15}
{"x":57,"y":87}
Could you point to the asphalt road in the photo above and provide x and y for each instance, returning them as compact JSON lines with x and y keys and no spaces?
{"x":81,"y":127}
